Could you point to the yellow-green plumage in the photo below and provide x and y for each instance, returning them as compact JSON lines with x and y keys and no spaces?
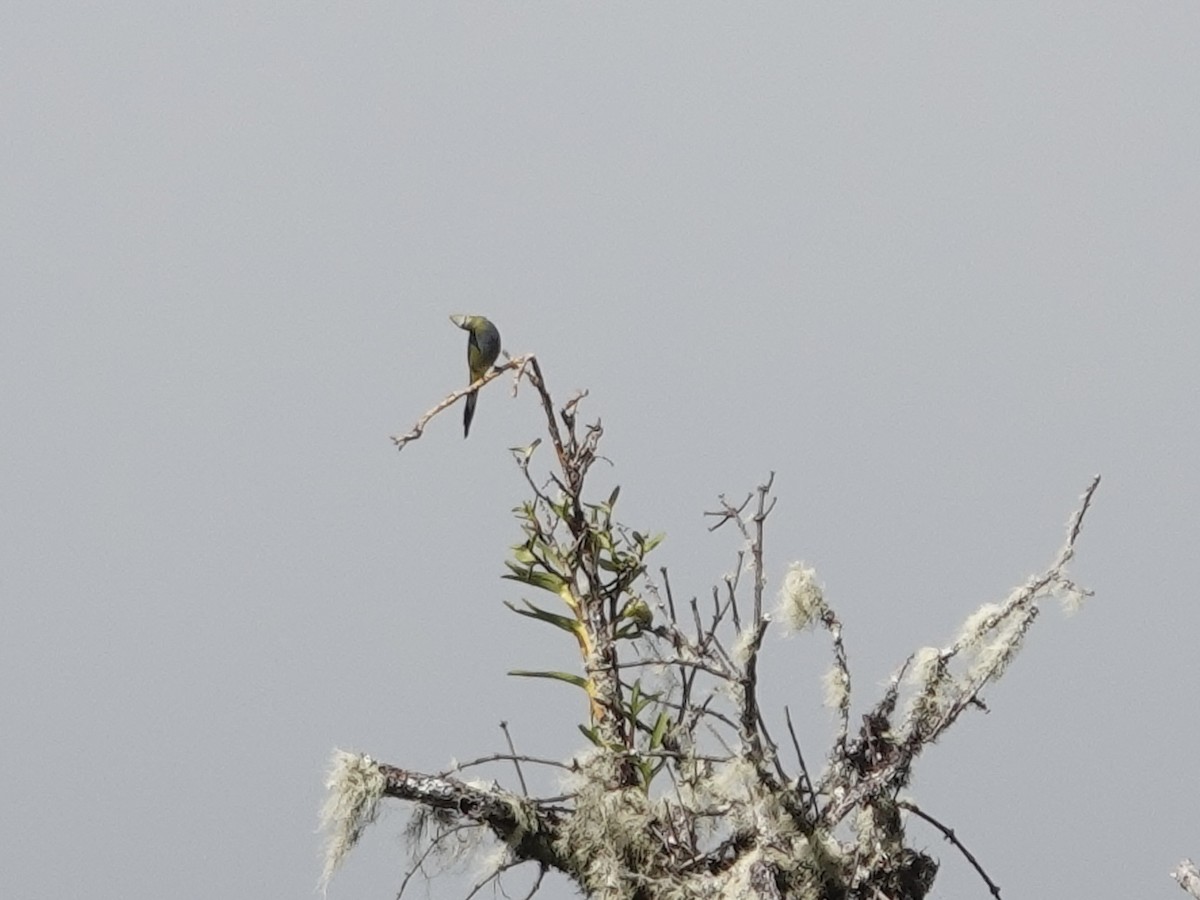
{"x":483,"y":348}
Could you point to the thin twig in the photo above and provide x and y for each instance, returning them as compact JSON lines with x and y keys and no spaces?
{"x":495,"y":876}
{"x":728,"y":511}
{"x":807,"y":783}
{"x":516,"y":760}
{"x":771,"y":746}
{"x":670,"y":598}
{"x":698,"y":712}
{"x":1076,"y":523}
{"x":534,"y":375}
{"x":682,"y":663}
{"x":696,"y":618}
{"x":731,"y":584}
{"x":502,"y":757}
{"x":418,"y":864}
{"x":953,"y":839}
{"x":537,"y":882}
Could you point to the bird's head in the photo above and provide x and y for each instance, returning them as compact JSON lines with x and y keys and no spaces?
{"x":469,"y":323}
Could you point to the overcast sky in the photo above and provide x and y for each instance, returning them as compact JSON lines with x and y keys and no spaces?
{"x":935,"y":265}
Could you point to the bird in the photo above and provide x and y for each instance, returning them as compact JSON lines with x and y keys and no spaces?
{"x":483,"y":347}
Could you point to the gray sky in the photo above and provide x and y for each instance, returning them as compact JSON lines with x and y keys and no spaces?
{"x":935,"y":265}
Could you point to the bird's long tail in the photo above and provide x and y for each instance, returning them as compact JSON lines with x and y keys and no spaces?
{"x":469,"y":412}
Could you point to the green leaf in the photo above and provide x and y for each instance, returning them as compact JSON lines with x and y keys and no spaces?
{"x":547,"y":581}
{"x":554,"y":559}
{"x":544,"y":615}
{"x":578,"y":680}
{"x":660,"y":730}
{"x":646,"y":770}
{"x":639,"y":699}
{"x":651,"y":542}
{"x":612,"y":498}
{"x":639,"y":610}
{"x":522,"y":454}
{"x":523,"y":555}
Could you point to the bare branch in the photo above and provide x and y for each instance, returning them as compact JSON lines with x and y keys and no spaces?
{"x":748,"y":701}
{"x":509,"y":817}
{"x":756,"y":548}
{"x":933,"y":714}
{"x":840,"y":672}
{"x":419,"y":428}
{"x":730,"y":512}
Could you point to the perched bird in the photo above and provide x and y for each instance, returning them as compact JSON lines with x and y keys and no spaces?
{"x":483,"y":347}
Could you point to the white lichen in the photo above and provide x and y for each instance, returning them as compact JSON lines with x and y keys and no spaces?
{"x":733,"y":781}
{"x":801,"y":599}
{"x":493,"y":862}
{"x":994,"y":657}
{"x":837,"y":687}
{"x":925,"y":667}
{"x":610,"y":836}
{"x":1072,"y":599}
{"x":355,"y":784}
{"x":977,"y":625}
{"x":743,"y":645}
{"x":865,"y":832}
